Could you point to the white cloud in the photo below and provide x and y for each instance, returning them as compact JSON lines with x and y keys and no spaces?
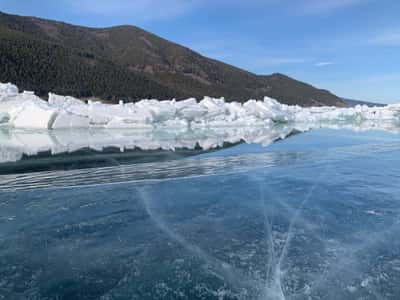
{"x":324,"y":63}
{"x":386,"y":38}
{"x":137,"y":9}
{"x":279,"y":61}
{"x":326,"y":6}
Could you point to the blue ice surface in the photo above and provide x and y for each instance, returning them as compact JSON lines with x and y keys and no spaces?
{"x":314,"y":216}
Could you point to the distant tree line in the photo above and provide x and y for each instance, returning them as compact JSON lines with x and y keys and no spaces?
{"x":42,"y":67}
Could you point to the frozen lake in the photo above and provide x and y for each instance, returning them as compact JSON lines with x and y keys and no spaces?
{"x":313,"y":216}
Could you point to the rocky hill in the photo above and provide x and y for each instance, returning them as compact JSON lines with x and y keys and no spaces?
{"x":130,"y":63}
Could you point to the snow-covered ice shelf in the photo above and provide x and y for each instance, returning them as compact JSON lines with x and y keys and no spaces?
{"x":26,"y":110}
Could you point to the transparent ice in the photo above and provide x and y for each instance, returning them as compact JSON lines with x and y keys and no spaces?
{"x":312,"y":216}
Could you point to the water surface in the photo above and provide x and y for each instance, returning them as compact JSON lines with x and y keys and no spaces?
{"x":312,"y":216}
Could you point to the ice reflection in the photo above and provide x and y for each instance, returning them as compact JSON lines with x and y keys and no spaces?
{"x":356,"y":126}
{"x":19,"y":144}
{"x":15,"y":144}
{"x":239,"y":160}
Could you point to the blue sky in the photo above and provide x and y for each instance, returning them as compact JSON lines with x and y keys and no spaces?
{"x":350,"y":47}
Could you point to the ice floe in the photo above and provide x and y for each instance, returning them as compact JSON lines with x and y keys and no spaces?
{"x":26,"y":110}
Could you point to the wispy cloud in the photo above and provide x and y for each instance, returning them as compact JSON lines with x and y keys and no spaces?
{"x":386,"y":38}
{"x":279,"y":61}
{"x":326,"y":6}
{"x":380,"y":88}
{"x":239,"y":53}
{"x":137,"y":9}
{"x":324,"y":63}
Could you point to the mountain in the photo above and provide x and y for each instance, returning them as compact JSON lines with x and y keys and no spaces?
{"x":352,"y":103}
{"x":130,"y":63}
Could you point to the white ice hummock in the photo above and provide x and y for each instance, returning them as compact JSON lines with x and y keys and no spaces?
{"x":25,"y":110}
